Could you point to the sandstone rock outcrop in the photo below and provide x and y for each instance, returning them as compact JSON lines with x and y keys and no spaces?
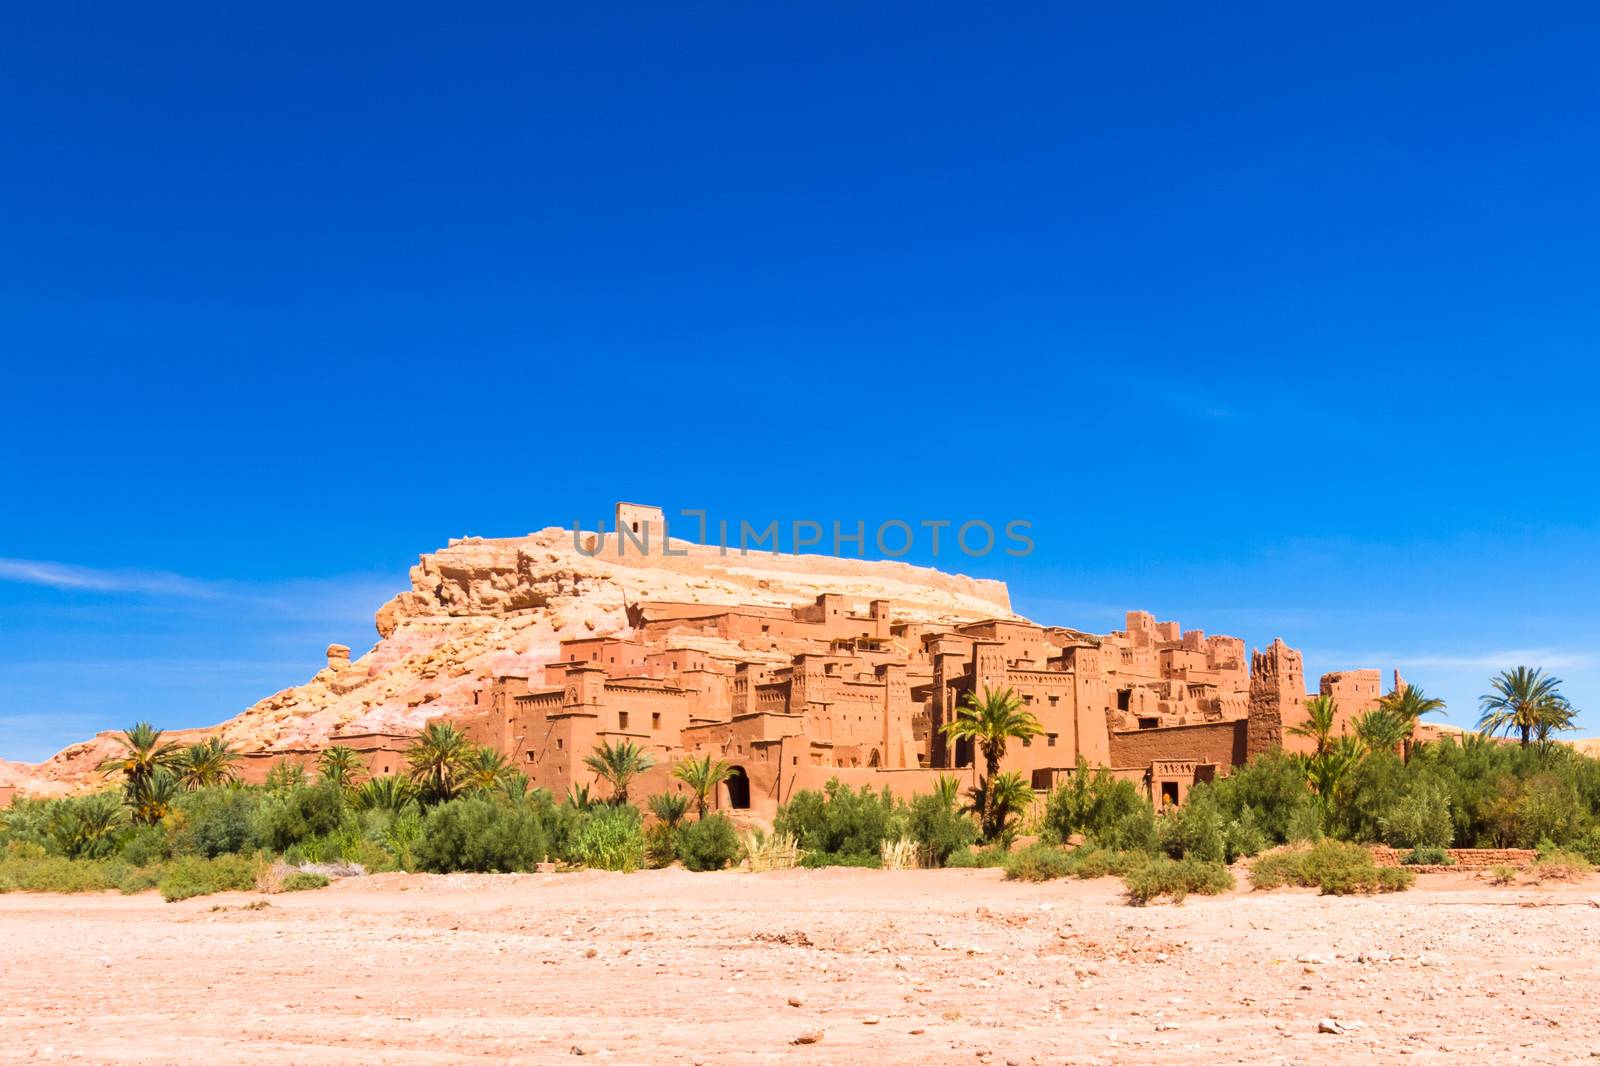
{"x":482,"y":607}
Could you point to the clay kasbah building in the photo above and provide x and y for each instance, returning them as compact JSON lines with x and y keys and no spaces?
{"x":859,"y":690}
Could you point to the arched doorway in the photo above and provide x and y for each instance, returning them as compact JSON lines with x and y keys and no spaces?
{"x":738,"y":789}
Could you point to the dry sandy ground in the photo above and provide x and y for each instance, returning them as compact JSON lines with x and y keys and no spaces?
{"x":927,"y":966}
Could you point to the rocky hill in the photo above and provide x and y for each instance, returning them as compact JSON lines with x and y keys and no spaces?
{"x":480,"y":607}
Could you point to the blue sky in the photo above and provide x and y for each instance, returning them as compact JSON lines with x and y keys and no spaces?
{"x":1279,"y":321}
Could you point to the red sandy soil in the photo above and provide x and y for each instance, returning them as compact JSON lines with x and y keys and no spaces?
{"x":924,"y":966}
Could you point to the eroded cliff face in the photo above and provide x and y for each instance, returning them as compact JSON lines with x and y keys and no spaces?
{"x":480,"y":608}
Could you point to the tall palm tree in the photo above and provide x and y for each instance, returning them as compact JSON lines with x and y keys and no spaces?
{"x":485,"y":769}
{"x":1524,"y":701}
{"x":339,"y":766}
{"x":989,"y":722}
{"x":619,"y":764}
{"x":1381,"y":729}
{"x":1410,"y":704}
{"x":435,"y":759}
{"x":207,"y":764}
{"x":702,"y":775}
{"x":1328,"y":772}
{"x":1321,"y":713}
{"x":143,"y":754}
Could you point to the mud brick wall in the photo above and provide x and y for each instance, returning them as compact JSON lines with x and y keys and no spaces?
{"x":1465,"y":858}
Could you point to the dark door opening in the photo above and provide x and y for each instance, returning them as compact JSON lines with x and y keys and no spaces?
{"x":738,"y":789}
{"x":1169,"y":793}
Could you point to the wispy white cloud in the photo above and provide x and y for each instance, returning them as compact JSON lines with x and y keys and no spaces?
{"x":68,"y":577}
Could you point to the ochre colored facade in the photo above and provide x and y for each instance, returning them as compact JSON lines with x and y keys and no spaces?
{"x":793,"y":696}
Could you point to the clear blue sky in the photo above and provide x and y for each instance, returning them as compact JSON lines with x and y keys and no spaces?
{"x":1280,"y":322}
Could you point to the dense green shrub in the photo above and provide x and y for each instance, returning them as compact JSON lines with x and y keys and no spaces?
{"x":86,"y":827}
{"x":1093,"y":803}
{"x":977,"y":858}
{"x":191,"y":875}
{"x":840,"y":821}
{"x":938,"y":828}
{"x":1338,"y":868}
{"x":1133,"y":831}
{"x":1194,"y":830}
{"x":292,"y":814}
{"x":1177,"y":878}
{"x":301,"y":880}
{"x":709,"y":844}
{"x":608,"y":838}
{"x":1038,"y":862}
{"x":1428,"y":855}
{"x":1421,"y":817}
{"x":1274,"y":788}
{"x":816,"y":860}
{"x":1244,"y":836}
{"x":1550,"y":808}
{"x":660,"y":845}
{"x":480,"y":834}
{"x":218,"y":821}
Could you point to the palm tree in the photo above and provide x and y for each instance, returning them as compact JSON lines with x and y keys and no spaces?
{"x":286,"y":777}
{"x":86,"y":828}
{"x":619,"y":764}
{"x":207,"y":764}
{"x":1321,"y":712}
{"x":390,"y":792}
{"x":1381,"y":729}
{"x":152,"y":797}
{"x":1011,"y":795}
{"x":435,"y":760}
{"x":1525,"y":701}
{"x":669,"y":807}
{"x":339,"y":766}
{"x":485,"y":769}
{"x":143,"y":754}
{"x":948,"y":788}
{"x":578,"y":798}
{"x":702,"y":776}
{"x":990,"y":722}
{"x":1328,"y":772}
{"x":1410,"y":704}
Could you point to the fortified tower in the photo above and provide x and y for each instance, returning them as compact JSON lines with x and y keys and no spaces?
{"x":1277,"y":692}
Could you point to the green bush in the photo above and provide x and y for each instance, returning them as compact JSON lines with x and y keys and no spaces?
{"x":294,"y":814}
{"x":220,"y":821}
{"x":1094,"y":803}
{"x":709,"y":844}
{"x":1274,"y":788}
{"x":300,"y":881}
{"x":1194,"y":830}
{"x":191,"y":875}
{"x":1336,"y":867}
{"x":976,"y":858}
{"x":1038,"y":862}
{"x":1424,"y":855}
{"x":939,"y":829}
{"x":86,"y":827}
{"x":1421,"y":818}
{"x":839,"y":821}
{"x":1177,"y":878}
{"x":1550,"y":808}
{"x":1133,"y":831}
{"x":1244,"y":837}
{"x":660,"y":845}
{"x":608,"y":838}
{"x":480,"y":834}
{"x":817,"y":860}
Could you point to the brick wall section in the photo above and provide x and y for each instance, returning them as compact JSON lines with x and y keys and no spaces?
{"x":1465,"y":858}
